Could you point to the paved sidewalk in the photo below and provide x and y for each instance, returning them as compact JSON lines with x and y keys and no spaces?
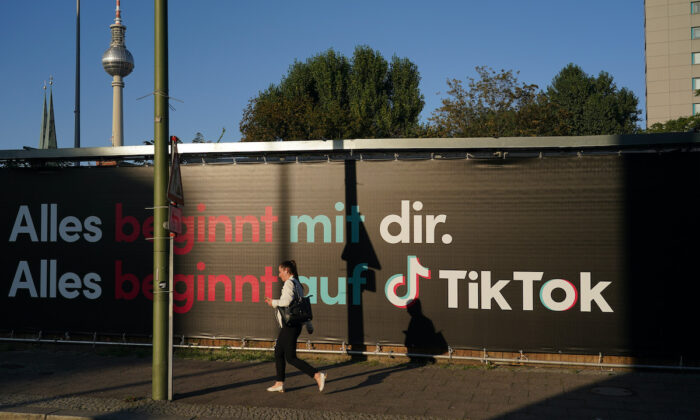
{"x":60,"y":384}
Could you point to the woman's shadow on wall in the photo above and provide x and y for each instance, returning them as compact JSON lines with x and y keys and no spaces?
{"x":422,"y":342}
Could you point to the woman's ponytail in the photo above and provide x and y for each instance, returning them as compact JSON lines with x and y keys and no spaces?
{"x":291,"y":265}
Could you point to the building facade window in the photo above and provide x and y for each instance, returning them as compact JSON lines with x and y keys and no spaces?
{"x":696,"y":109}
{"x":695,"y":58}
{"x":694,"y":7}
{"x":696,"y":83}
{"x":695,"y":32}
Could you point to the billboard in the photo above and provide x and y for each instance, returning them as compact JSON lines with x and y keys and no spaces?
{"x":573,"y":254}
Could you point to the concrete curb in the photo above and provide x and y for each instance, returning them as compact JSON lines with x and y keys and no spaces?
{"x":52,"y":414}
{"x":19,"y":413}
{"x":60,"y":410}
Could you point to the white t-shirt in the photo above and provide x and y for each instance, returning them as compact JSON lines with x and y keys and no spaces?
{"x":287,"y":296}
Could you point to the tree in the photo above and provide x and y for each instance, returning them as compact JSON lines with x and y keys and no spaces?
{"x":495,"y":105}
{"x":679,"y":125}
{"x":368,"y":94}
{"x":592,"y":105}
{"x":331,"y":97}
{"x":198,"y":138}
{"x":406,"y":100}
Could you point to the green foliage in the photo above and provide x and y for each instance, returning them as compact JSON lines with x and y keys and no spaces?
{"x":368,"y":92}
{"x":497,"y":105}
{"x":593,"y":105}
{"x":224,"y":354}
{"x":124,"y":351}
{"x":7,"y":347}
{"x":331,"y":97}
{"x":679,"y":125}
{"x":198,"y":138}
{"x":406,"y":100}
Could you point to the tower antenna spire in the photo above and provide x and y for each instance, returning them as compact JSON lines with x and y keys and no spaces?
{"x":118,"y":17}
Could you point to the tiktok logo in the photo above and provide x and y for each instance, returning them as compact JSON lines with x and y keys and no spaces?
{"x":414,"y":270}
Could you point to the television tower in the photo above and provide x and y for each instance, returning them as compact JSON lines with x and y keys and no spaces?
{"x":118,"y":63}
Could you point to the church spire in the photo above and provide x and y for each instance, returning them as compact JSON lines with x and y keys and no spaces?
{"x":42,"y":135}
{"x":48,"y":124}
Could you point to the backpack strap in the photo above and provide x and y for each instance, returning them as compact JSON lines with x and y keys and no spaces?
{"x":298,"y":290}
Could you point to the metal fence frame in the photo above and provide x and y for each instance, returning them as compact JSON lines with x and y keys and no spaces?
{"x":494,"y":147}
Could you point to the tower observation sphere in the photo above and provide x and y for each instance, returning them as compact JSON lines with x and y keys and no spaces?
{"x":117,"y":60}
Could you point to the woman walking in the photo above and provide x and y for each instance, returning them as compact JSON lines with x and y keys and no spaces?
{"x":286,"y":348}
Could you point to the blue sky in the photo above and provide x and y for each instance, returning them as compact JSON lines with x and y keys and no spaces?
{"x":222,"y":52}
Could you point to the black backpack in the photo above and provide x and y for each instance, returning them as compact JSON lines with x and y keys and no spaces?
{"x":299,"y":310}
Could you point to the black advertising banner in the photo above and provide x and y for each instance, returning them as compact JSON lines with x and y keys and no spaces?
{"x":574,"y":254}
